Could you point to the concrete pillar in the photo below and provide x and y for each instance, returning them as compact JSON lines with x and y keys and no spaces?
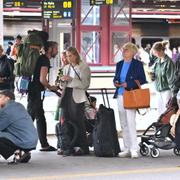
{"x":1,"y":22}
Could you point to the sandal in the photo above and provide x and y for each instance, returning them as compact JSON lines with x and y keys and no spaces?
{"x":49,"y":148}
{"x":20,"y":157}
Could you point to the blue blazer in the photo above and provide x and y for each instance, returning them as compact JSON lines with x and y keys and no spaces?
{"x":135,"y":72}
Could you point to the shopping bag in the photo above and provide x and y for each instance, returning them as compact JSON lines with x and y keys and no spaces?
{"x":136,"y":98}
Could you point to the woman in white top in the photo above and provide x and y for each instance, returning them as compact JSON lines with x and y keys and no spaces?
{"x":76,"y":75}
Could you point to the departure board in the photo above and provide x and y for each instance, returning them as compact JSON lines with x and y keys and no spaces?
{"x":57,"y":9}
{"x":101,"y":2}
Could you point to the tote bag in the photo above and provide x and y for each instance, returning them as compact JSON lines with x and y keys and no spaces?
{"x":136,"y":98}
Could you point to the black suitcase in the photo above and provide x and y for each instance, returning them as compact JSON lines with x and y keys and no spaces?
{"x":105,"y":137}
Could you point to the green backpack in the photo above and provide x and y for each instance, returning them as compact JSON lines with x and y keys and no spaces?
{"x":29,"y":52}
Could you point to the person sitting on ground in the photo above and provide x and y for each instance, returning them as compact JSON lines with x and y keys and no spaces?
{"x":17,"y":131}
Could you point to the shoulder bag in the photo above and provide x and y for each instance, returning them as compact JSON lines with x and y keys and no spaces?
{"x":136,"y":98}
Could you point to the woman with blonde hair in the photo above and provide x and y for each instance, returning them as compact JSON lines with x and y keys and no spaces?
{"x":127,"y":71}
{"x":76,"y":75}
{"x":164,"y":73}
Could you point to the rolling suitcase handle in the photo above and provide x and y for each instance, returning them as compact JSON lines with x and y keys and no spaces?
{"x":104,"y":92}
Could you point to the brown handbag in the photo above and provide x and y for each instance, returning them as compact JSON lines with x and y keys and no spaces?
{"x":136,"y":98}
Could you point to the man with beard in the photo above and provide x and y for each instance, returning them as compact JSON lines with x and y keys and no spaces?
{"x":36,"y":92}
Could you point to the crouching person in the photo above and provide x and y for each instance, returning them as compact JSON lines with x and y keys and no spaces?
{"x":18,"y":135}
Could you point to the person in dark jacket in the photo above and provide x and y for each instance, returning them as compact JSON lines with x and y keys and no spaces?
{"x":127,"y":71}
{"x":17,"y":131}
{"x":6,"y":73}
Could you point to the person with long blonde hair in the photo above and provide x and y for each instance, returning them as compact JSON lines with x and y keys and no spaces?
{"x":77,"y":76}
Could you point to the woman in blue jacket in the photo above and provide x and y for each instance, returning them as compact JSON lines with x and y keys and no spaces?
{"x":127,"y":71}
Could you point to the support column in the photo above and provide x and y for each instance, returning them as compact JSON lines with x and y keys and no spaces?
{"x":1,"y":22}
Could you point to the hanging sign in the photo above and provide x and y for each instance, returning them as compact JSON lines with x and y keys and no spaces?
{"x":14,"y":3}
{"x":101,"y":2}
{"x":57,"y":9}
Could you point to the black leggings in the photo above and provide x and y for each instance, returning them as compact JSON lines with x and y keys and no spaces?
{"x":35,"y":109}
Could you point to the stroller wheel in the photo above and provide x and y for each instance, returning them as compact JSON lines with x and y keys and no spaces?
{"x":176,"y":151}
{"x":144,"y":150}
{"x":154,"y":152}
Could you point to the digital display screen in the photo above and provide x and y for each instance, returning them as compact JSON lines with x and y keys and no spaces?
{"x":57,"y":9}
{"x":14,"y":3}
{"x":101,"y":2}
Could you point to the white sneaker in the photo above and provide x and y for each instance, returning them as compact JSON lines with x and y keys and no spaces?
{"x":125,"y":154}
{"x":134,"y":154}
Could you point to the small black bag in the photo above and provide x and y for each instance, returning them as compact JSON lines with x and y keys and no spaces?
{"x":66,"y":134}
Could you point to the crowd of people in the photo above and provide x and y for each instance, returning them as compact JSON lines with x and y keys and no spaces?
{"x":17,"y":131}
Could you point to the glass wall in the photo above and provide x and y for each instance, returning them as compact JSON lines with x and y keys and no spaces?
{"x":118,"y":40}
{"x":90,"y":47}
{"x":90,"y":15}
{"x":102,"y":31}
{"x":90,"y":36}
{"x":120,"y":28}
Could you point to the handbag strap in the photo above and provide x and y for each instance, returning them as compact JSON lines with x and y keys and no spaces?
{"x":80,"y":80}
{"x":138,"y":83}
{"x":139,"y":111}
{"x":75,"y":72}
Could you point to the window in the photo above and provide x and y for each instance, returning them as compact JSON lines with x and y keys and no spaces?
{"x":90,"y":47}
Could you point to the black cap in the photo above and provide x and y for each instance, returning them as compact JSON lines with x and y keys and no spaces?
{"x":8,"y":93}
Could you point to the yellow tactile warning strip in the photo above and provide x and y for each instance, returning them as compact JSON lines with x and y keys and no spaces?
{"x":110,"y":173}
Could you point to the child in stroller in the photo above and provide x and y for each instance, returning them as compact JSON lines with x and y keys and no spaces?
{"x":90,"y":115}
{"x":158,"y":134}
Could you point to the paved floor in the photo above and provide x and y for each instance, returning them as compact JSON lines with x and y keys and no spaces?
{"x":50,"y":166}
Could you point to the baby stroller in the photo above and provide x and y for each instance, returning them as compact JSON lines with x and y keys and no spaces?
{"x":157,"y":135}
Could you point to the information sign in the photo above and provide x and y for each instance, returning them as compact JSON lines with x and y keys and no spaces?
{"x":101,"y":2}
{"x":14,"y":3}
{"x":57,"y":9}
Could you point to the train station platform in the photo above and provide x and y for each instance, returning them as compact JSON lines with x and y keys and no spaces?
{"x":50,"y":166}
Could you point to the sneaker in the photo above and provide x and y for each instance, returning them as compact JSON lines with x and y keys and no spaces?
{"x":134,"y":155}
{"x":78,"y":151}
{"x":59,"y":152}
{"x":124,"y":154}
{"x":20,"y":157}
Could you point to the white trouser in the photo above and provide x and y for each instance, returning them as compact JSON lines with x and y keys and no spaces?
{"x":128,"y":125}
{"x":162,"y":99}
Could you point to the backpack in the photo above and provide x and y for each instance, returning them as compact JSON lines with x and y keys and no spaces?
{"x":6,"y":71}
{"x":28,"y":53}
{"x":6,"y":68}
{"x":66,"y":134}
